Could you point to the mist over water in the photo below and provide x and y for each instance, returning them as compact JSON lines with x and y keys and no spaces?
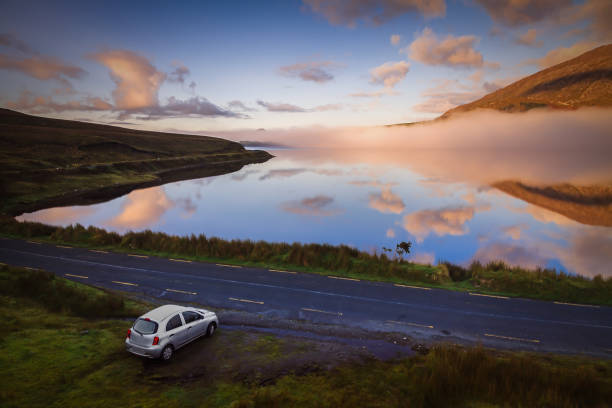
{"x":536,"y":130}
{"x":373,"y":187}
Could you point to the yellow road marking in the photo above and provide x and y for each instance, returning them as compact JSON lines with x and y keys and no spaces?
{"x":27,"y":267}
{"x":182,"y":291}
{"x":229,"y":266}
{"x":3,"y":264}
{"x":576,"y":304}
{"x":98,"y":251}
{"x":34,"y":242}
{"x":63,"y":246}
{"x":511,"y":338}
{"x":491,"y":296}
{"x":76,"y":276}
{"x":412,"y":287}
{"x":137,"y":256}
{"x":340,"y":277}
{"x":125,"y":283}
{"x":410,"y":324}
{"x":321,"y":311}
{"x":246,"y":301}
{"x":277,"y":270}
{"x":180,"y":260}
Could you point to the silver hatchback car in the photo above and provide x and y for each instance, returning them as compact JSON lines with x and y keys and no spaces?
{"x":158,"y":333}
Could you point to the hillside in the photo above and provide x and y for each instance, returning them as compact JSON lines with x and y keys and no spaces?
{"x":49,"y":162}
{"x":582,"y":81}
{"x":590,"y":205}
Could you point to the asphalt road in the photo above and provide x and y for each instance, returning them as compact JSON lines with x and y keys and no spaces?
{"x":421,"y":313}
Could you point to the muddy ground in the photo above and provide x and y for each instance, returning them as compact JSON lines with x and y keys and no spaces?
{"x":258,"y":349}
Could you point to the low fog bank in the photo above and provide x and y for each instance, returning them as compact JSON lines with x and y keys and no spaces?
{"x":584,"y":129}
{"x":538,"y":147}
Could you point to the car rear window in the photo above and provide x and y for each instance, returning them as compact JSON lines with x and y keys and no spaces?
{"x":145,"y":326}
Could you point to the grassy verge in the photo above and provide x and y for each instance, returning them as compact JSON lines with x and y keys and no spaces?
{"x":56,"y":358}
{"x":493,"y":278}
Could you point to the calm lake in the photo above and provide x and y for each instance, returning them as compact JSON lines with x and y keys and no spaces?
{"x":442,"y":201}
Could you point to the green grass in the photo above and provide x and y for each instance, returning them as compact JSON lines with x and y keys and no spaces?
{"x":61,"y":295}
{"x":495,"y":278}
{"x":58,"y":359}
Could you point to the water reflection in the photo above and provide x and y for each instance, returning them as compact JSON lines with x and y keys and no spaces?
{"x":142,"y":209}
{"x":442,"y":201}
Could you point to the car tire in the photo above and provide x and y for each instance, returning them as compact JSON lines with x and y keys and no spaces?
{"x":211,"y":329}
{"x":167,"y":353}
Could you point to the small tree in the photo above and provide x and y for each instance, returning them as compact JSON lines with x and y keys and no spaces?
{"x":403,"y":248}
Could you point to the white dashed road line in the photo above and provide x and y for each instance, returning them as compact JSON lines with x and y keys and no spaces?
{"x":76,"y":276}
{"x":307,"y":309}
{"x":411,"y":287}
{"x":511,"y":338}
{"x":340,"y":277}
{"x":182,"y":291}
{"x":410,"y":324}
{"x":125,"y":283}
{"x":491,"y":296}
{"x":246,"y":301}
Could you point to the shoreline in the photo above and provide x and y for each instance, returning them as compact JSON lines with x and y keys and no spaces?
{"x":189,"y":168}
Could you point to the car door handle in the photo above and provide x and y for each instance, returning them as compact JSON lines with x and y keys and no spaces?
{"x":170,"y":335}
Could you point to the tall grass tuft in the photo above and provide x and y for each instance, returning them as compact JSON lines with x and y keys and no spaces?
{"x":58,"y":295}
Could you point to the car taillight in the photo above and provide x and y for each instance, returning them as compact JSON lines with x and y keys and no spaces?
{"x":155,"y":341}
{"x":129,"y":333}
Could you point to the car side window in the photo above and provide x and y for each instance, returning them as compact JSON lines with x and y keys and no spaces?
{"x":191,"y":317}
{"x":174,"y":322}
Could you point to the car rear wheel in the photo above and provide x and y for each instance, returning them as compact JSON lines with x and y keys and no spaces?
{"x":211,"y":329}
{"x":167,"y":353}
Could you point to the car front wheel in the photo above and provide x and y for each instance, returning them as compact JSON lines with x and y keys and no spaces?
{"x":167,"y":353}
{"x":211,"y":329}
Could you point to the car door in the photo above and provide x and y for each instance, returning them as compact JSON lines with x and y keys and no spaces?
{"x":176,"y":330}
{"x":193,"y":321}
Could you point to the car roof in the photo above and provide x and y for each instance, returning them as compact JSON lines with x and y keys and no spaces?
{"x":162,"y":312}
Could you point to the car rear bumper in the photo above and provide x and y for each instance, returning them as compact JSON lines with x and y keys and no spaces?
{"x":149,"y":352}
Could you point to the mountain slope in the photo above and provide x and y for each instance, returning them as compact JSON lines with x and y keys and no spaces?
{"x":582,"y":81}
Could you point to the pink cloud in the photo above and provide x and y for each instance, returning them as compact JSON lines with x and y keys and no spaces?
{"x":312,"y":206}
{"x":40,"y":67}
{"x":137,"y":81}
{"x":142,"y":209}
{"x":387,"y":202}
{"x":348,"y":12}
{"x":450,"y":51}
{"x":444,"y":221}
{"x":389,"y":73}
{"x":315,"y":71}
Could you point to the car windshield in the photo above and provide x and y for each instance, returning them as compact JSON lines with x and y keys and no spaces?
{"x":144,"y":326}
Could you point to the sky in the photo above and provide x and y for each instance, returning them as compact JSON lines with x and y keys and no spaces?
{"x":205,"y":66}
